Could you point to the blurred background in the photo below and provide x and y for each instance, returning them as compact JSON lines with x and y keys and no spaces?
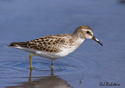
{"x":89,"y":66}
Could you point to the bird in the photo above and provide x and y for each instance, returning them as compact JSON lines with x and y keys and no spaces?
{"x":55,"y":46}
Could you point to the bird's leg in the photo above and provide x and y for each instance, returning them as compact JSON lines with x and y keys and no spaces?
{"x":30,"y":58}
{"x":52,"y":64}
{"x":30,"y":75}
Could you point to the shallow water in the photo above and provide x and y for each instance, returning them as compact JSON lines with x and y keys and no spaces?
{"x":90,"y":64}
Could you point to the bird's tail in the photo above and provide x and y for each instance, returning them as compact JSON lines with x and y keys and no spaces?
{"x":15,"y":44}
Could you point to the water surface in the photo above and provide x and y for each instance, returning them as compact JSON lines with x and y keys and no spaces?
{"x":90,"y":64}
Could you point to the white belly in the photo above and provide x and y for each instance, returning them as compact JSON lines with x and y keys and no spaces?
{"x":52,"y":56}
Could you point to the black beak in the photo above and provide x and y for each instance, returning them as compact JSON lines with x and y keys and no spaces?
{"x":94,"y":38}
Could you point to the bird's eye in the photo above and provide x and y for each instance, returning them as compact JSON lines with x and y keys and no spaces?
{"x":87,"y":32}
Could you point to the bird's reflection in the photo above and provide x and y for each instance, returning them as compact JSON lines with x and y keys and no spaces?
{"x":44,"y":82}
{"x":122,"y":1}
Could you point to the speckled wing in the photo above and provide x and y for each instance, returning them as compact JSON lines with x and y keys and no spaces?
{"x":47,"y":43}
{"x":50,"y":43}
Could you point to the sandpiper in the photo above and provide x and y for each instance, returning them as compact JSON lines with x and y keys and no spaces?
{"x":55,"y":46}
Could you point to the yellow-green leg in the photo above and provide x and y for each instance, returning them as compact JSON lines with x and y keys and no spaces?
{"x":30,"y":75}
{"x":30,"y":58}
{"x":52,"y":64}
